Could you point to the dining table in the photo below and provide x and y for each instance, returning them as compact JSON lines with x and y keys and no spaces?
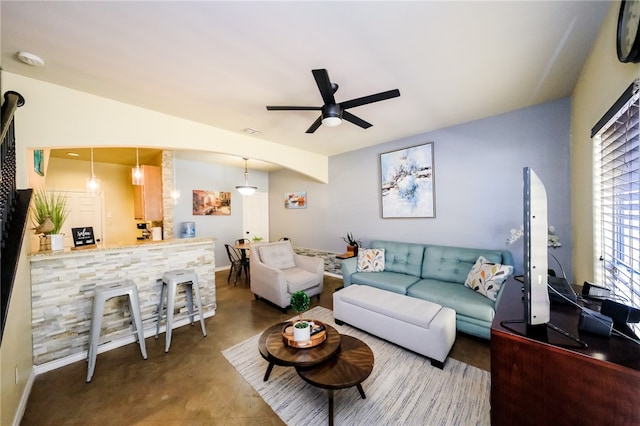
{"x":243,"y":247}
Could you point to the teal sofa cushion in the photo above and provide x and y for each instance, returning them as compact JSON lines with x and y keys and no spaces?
{"x":405,"y":258}
{"x":436,"y":274}
{"x":390,"y":281}
{"x":453,"y":263}
{"x":455,"y":296}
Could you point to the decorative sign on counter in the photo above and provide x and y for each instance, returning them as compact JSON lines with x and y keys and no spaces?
{"x":83,"y":238}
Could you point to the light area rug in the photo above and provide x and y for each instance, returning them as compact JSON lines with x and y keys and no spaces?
{"x":403,"y":389}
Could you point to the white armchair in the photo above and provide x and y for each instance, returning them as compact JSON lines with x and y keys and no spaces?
{"x":277,"y":271}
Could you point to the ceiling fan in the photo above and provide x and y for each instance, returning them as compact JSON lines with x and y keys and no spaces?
{"x":333,"y":113}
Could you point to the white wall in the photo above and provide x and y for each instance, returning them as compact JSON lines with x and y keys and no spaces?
{"x":478,"y":181}
{"x":55,"y":117}
{"x":192,"y":175}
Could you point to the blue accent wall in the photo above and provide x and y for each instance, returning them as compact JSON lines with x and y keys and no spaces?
{"x":478,"y":187}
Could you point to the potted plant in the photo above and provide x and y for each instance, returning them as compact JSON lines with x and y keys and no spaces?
{"x":48,"y":215}
{"x":300,"y":302}
{"x":352,"y":243}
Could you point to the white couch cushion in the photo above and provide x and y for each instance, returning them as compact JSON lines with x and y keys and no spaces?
{"x":298,"y":279}
{"x":404,"y":308}
{"x":277,"y":256}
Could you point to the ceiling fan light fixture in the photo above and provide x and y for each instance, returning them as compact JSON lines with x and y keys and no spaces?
{"x":331,"y":121}
{"x":331,"y":115}
{"x":332,"y":111}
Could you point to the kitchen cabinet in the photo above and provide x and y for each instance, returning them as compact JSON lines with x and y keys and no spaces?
{"x":147,"y":198}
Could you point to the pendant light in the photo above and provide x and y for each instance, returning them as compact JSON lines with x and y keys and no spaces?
{"x":246,"y":189}
{"x":137,"y":174}
{"x":175,"y":193}
{"x":93,"y":183}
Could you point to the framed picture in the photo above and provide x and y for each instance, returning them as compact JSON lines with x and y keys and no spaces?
{"x":407,"y":188}
{"x":38,"y":161}
{"x":295,"y":200}
{"x":211,"y":203}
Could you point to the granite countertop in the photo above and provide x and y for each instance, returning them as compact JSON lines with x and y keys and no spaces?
{"x":141,"y":245}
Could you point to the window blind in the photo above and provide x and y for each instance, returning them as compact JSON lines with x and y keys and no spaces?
{"x":617,"y":198}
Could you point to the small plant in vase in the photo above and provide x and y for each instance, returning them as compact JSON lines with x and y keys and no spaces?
{"x":49,"y":211}
{"x":300,"y":302}
{"x":352,"y":243}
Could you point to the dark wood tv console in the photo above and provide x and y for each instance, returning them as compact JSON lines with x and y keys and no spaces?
{"x":546,"y":378}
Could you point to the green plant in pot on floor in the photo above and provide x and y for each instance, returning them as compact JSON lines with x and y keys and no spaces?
{"x":300,"y":302}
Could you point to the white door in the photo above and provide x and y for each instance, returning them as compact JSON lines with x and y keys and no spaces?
{"x":84,"y":210}
{"x":255,"y":216}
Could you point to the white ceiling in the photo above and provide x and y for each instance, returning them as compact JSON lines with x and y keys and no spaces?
{"x":221,"y":63}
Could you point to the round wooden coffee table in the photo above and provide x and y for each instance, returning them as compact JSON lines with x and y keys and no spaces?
{"x":276,"y":352}
{"x":349,"y":367}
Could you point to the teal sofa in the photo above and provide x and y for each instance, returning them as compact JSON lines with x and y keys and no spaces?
{"x":434,"y":273}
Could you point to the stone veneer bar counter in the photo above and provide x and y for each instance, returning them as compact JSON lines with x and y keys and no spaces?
{"x":62,"y":286}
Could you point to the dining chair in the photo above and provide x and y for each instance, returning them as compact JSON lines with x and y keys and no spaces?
{"x":235,"y":258}
{"x":245,"y":253}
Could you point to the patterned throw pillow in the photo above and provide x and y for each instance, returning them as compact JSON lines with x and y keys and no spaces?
{"x":487,"y":277}
{"x":370,"y":260}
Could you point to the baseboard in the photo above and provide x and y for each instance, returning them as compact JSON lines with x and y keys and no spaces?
{"x":22,"y":405}
{"x":114,"y":344}
{"x":331,"y":274}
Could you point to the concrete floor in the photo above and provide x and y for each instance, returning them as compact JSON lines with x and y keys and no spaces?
{"x":193,"y":384}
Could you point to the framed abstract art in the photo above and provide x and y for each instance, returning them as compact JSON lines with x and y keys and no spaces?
{"x":407,"y":188}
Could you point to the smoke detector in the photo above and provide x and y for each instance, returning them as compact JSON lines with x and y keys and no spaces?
{"x":31,"y":59}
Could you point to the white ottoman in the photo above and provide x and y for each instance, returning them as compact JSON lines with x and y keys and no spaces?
{"x":418,"y":325}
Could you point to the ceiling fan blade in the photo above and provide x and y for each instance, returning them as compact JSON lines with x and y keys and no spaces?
{"x":315,"y":125}
{"x":370,"y":99}
{"x":346,"y":115}
{"x":293,"y":108}
{"x":324,"y":85}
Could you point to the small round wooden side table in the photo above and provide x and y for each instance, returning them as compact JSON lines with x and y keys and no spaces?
{"x":350,"y":367}
{"x":276,"y":352}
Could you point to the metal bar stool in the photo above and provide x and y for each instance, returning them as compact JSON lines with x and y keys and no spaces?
{"x":102,"y":293}
{"x":170,"y":281}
